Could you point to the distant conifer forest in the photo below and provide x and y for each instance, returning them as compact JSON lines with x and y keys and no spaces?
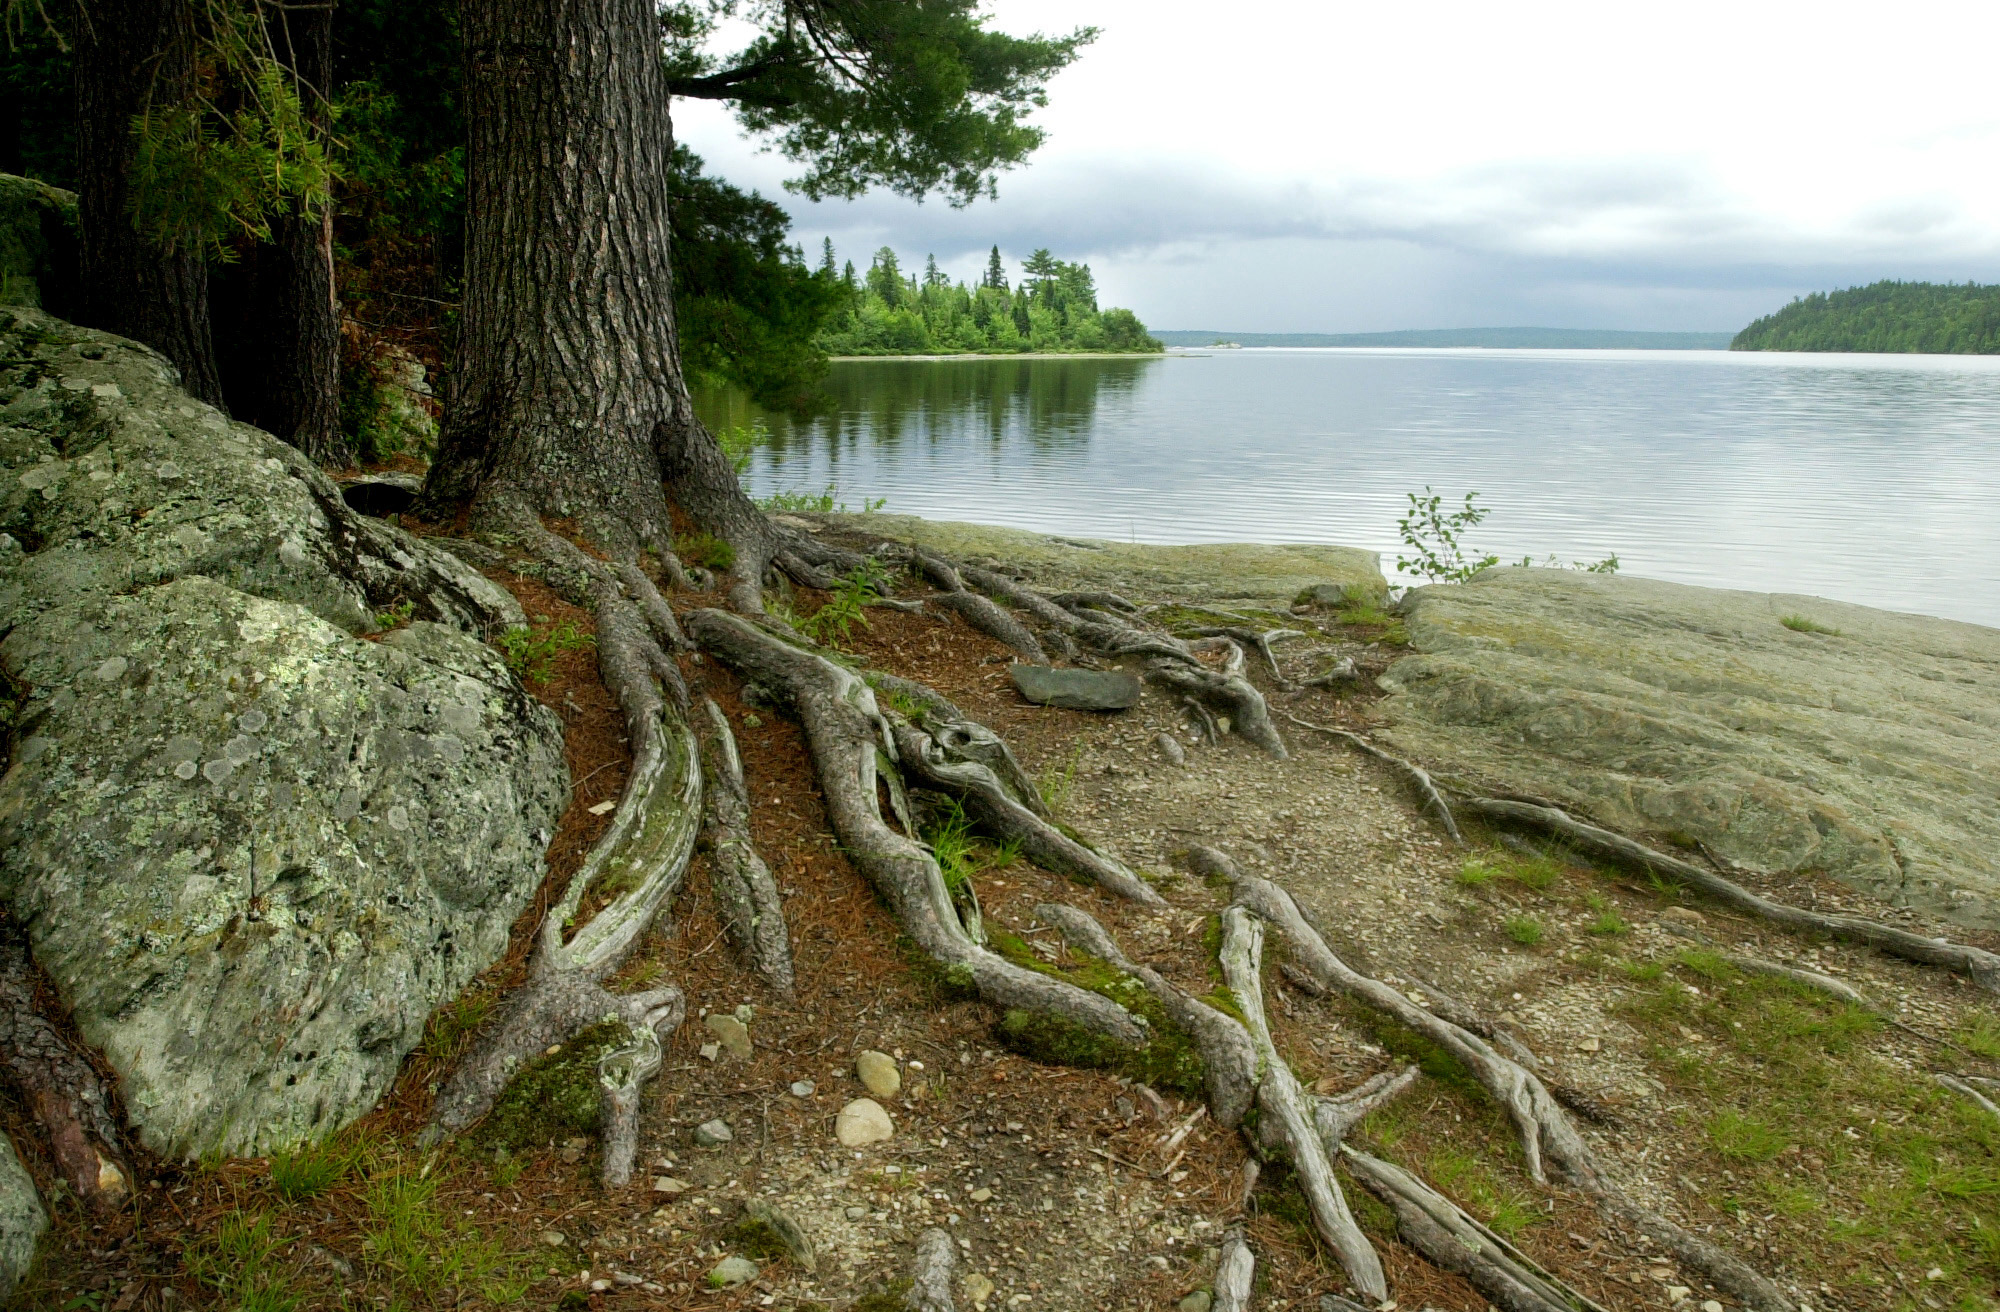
{"x":1052,"y":308}
{"x":1922,"y":317}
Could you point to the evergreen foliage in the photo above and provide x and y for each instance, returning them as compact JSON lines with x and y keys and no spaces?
{"x":1922,"y":317}
{"x":1053,"y":309}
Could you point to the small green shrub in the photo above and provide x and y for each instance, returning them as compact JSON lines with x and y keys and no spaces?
{"x":1801,"y":624}
{"x":397,"y":615}
{"x":1433,"y":538}
{"x":845,"y":608}
{"x":531,"y":652}
{"x":1525,"y":930}
{"x":1476,"y":872}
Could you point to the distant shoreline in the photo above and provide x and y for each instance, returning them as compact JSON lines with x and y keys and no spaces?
{"x":1014,"y":355}
{"x":1547,"y":339}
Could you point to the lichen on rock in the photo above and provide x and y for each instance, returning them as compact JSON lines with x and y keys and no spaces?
{"x":252,"y":848}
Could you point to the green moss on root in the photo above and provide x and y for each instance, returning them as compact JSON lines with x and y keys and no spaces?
{"x":553,"y":1097}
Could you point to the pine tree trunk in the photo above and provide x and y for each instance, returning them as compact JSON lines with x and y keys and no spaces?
{"x":131,"y":53}
{"x":566,"y":390}
{"x":277,"y":314}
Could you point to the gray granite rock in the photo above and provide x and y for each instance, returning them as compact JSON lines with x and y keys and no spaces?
{"x":1870,"y":753}
{"x":1076,"y":690}
{"x":22,"y":1219}
{"x":37,"y":242}
{"x":185,"y":604}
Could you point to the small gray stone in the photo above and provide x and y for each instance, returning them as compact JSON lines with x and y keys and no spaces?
{"x":713,"y":1134}
{"x":803,"y":1088}
{"x":667,"y":1184}
{"x":1076,"y":690}
{"x":863,"y":1122}
{"x":877,"y":1071}
{"x":977,"y":1289}
{"x":1199,"y":1301}
{"x":732,"y":1271}
{"x":732,"y":1033}
{"x":1170,"y":747}
{"x":855,"y":1213}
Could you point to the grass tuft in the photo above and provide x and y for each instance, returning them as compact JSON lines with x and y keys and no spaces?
{"x":1801,"y":624}
{"x":311,"y":1170}
{"x":1525,"y":930}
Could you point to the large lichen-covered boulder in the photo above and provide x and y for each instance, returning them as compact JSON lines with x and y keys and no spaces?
{"x":1871,"y":754}
{"x":22,"y":1219}
{"x":37,"y":243}
{"x":254,"y":840}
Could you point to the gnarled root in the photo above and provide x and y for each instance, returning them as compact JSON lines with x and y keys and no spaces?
{"x":1418,"y":778}
{"x":621,"y":1078}
{"x":1544,"y":1129}
{"x":931,"y":1272}
{"x":1981,"y":966}
{"x":1454,"y":1241}
{"x":644,"y":853}
{"x":1287,"y":1116}
{"x":949,"y":762}
{"x":1229,"y":1060}
{"x":59,"y":1085}
{"x":854,"y":754}
{"x":1235,"y":1275}
{"x":1226,"y":693}
{"x":745,"y":893}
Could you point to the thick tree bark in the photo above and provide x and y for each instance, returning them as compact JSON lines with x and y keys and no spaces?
{"x":567,"y":392}
{"x":278,"y":318}
{"x":131,"y":54}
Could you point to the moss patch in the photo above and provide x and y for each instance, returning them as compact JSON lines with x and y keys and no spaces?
{"x":553,"y":1097}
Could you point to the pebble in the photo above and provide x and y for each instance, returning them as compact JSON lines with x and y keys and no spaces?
{"x":982,"y":1195}
{"x":732,"y":1271}
{"x":856,"y":1213}
{"x":667,"y":1184}
{"x":863,"y":1122}
{"x":803,"y":1088}
{"x":978,"y":1289}
{"x":713,"y":1134}
{"x":554,"y":1238}
{"x":710,"y":1051}
{"x":1170,"y":747}
{"x":1589,"y":1045}
{"x":1711,"y":1306}
{"x":733,"y":1033}
{"x":877,"y":1071}
{"x":1199,"y":1301}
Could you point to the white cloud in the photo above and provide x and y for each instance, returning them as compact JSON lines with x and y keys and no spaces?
{"x":1315,"y":166}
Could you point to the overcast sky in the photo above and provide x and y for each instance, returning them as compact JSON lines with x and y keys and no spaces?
{"x":1268,"y":166}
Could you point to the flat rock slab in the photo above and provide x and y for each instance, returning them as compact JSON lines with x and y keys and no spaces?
{"x":1871,"y":753}
{"x":1076,"y":690}
{"x":1270,"y":575}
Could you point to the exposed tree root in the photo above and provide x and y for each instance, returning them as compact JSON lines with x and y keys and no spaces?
{"x":1229,"y":1059}
{"x":1235,"y":1275}
{"x":1545,"y":1131}
{"x":1286,"y":1118}
{"x":1981,"y":966}
{"x":994,"y":622}
{"x":1454,"y":1241}
{"x":59,"y":1085}
{"x":745,"y":893}
{"x":1261,"y":639}
{"x":1417,"y":777}
{"x":854,"y":754}
{"x":1964,"y":1087}
{"x":954,"y":761}
{"x":931,"y":1273}
{"x":641,"y":859}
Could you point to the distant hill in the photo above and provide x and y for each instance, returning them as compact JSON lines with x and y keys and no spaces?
{"x":1928,"y":317}
{"x":1548,"y":339}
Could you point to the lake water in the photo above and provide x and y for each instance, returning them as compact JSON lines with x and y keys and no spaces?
{"x":1873,"y":479}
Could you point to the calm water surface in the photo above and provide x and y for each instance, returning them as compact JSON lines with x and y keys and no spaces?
{"x":1873,"y":479}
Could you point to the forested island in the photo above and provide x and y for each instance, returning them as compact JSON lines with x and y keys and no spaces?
{"x":1052,"y":309}
{"x":1914,"y":317}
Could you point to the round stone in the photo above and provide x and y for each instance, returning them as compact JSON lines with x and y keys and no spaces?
{"x":863,"y":1122}
{"x":731,"y":1271}
{"x":878,"y":1072}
